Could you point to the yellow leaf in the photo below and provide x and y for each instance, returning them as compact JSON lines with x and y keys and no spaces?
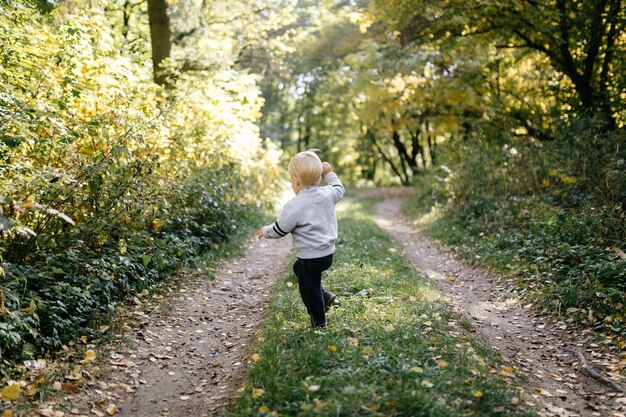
{"x":619,"y":252}
{"x":332,"y":348}
{"x":256,"y":357}
{"x":264,"y":409}
{"x":443,"y":364}
{"x":7,"y":413}
{"x":257,"y":392}
{"x":478,"y":394}
{"x":90,"y":356}
{"x":83,"y":339}
{"x":111,"y":409}
{"x":11,"y":392}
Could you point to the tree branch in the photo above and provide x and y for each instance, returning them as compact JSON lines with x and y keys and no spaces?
{"x":597,"y":32}
{"x":387,"y":159}
{"x":594,"y":374}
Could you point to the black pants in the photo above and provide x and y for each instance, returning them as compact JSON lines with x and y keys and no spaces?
{"x":309,"y":273}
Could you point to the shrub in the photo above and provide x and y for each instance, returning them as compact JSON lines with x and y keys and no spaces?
{"x":109,"y":183}
{"x":550,"y":213}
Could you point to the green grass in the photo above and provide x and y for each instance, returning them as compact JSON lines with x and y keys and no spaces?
{"x":392,"y":348}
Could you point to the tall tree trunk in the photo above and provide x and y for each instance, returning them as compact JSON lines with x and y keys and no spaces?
{"x":160,"y":37}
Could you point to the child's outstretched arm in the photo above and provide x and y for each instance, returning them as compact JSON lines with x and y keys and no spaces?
{"x":283,"y":226}
{"x":333,"y":180}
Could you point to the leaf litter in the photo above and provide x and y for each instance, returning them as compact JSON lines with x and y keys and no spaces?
{"x":188,"y":358}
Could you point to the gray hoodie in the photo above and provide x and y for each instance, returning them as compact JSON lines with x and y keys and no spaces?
{"x":311,"y":220}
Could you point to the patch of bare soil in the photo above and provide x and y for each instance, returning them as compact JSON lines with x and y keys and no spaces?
{"x":190,"y":359}
{"x":557,"y":363}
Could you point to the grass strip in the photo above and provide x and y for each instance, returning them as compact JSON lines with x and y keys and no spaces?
{"x":392,"y":348}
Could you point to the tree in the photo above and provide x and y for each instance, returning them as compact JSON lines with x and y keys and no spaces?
{"x":160,"y":37}
{"x":580,"y":38}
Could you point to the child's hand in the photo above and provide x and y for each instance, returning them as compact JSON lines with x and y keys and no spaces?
{"x":260,"y":233}
{"x":326,"y":168}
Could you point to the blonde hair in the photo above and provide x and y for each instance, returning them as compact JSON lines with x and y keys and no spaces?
{"x":307,"y":166}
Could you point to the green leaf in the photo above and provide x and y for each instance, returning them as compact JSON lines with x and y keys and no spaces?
{"x":5,"y":223}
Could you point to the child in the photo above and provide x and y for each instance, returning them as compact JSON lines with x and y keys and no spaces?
{"x":310,"y":218}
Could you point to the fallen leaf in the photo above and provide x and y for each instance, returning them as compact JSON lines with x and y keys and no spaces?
{"x":427,"y":384}
{"x":90,"y":356}
{"x":332,"y":348}
{"x":256,"y":357}
{"x":111,"y":409}
{"x":619,"y":252}
{"x":543,"y":392}
{"x":478,"y":394}
{"x":257,"y":392}
{"x":264,"y":409}
{"x":314,"y":388}
{"x":68,"y":387}
{"x":11,"y":392}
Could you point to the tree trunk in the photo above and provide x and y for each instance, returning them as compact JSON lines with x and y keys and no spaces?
{"x":432,"y":146}
{"x":160,"y":37}
{"x":403,"y":179}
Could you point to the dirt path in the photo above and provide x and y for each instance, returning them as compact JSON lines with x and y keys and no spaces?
{"x":190,"y":360}
{"x":537,"y":346}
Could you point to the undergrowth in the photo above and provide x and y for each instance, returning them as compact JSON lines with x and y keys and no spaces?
{"x":549,"y":215}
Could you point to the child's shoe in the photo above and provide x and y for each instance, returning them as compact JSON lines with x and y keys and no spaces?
{"x":329,"y":298}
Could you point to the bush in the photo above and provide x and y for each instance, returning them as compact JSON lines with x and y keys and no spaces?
{"x":109,"y":182}
{"x":551,"y":214}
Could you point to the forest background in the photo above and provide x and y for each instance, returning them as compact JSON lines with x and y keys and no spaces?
{"x":135,"y":135}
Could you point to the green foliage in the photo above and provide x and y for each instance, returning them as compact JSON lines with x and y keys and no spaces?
{"x":580,"y":40}
{"x":551,"y":215}
{"x":392,"y":347}
{"x":109,"y":183}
